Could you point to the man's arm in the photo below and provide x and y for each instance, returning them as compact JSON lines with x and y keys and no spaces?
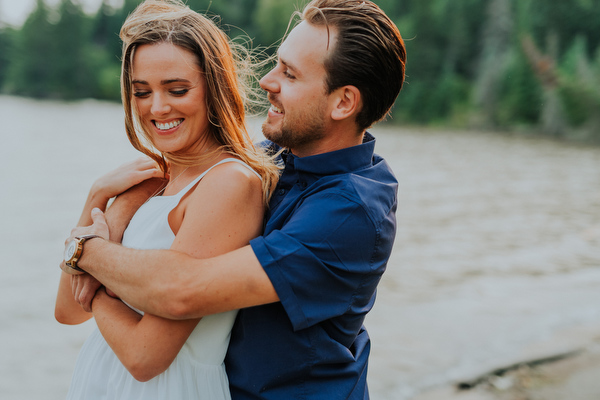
{"x":175,"y":285}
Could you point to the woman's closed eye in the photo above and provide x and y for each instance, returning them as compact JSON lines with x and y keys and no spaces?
{"x":141,"y":93}
{"x":178,"y":92}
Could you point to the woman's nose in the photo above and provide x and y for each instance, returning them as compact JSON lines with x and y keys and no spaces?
{"x":160,"y":105}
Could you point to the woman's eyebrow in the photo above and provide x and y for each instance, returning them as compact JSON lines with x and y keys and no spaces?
{"x":175,"y":80}
{"x":163,"y":82}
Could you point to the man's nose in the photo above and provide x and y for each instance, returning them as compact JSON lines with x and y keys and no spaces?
{"x":269,"y":83}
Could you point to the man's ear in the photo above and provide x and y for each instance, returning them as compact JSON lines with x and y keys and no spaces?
{"x":347,"y":102}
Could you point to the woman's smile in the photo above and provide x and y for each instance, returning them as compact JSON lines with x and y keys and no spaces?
{"x":164,"y":127}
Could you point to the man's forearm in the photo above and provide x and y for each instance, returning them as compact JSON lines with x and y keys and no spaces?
{"x":175,"y":285}
{"x":130,"y":273}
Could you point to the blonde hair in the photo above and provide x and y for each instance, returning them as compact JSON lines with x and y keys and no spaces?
{"x":227,"y":68}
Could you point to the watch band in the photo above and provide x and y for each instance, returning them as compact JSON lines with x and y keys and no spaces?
{"x":72,"y":265}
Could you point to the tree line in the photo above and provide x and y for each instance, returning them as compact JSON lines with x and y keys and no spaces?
{"x":531,"y":65}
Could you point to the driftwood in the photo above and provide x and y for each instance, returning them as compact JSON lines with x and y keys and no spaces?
{"x":488,"y":376}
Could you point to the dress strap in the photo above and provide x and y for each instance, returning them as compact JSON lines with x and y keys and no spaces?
{"x":239,"y":162}
{"x":199,"y":177}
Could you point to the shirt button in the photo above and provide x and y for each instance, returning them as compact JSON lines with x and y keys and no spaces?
{"x":281,"y":192}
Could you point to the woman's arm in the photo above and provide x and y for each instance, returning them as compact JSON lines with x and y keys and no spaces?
{"x":139,"y":180}
{"x":223,"y":213}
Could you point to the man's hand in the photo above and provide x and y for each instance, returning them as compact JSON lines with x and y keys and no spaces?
{"x":84,"y":289}
{"x":99,"y":227}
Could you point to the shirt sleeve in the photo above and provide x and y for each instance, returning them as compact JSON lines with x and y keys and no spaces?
{"x":321,"y":261}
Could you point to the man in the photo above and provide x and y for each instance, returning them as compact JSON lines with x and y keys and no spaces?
{"x":305,"y":286}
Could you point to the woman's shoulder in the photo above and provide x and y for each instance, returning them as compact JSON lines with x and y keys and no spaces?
{"x":234,"y":169}
{"x":231,"y":175}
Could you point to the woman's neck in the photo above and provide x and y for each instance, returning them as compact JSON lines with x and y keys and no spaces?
{"x":176,"y":170}
{"x":202,"y":148}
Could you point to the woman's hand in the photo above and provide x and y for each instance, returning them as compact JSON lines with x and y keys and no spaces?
{"x":125,"y":177}
{"x":84,"y":288}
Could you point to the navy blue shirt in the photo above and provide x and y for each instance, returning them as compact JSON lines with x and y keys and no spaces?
{"x":328,"y":236}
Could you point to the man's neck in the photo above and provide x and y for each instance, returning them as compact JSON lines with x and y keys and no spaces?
{"x":331,"y":142}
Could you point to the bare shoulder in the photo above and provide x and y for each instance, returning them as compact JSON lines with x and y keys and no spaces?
{"x":232,"y":179}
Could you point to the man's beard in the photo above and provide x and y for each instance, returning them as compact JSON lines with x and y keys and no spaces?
{"x":297,"y":132}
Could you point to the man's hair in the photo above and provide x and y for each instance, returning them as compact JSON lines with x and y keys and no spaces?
{"x":369,"y":53}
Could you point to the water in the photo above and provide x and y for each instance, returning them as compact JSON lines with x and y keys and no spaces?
{"x":497,"y":257}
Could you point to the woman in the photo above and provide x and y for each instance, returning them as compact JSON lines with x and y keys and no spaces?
{"x":183,"y":109}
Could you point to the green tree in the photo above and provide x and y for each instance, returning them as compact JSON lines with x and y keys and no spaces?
{"x":71,"y":70}
{"x":6,"y":40}
{"x":271,"y":19}
{"x":29,"y":72}
{"x":106,"y":26}
{"x":104,"y":51}
{"x":519,"y":94}
{"x":497,"y":40}
{"x":440,"y":43}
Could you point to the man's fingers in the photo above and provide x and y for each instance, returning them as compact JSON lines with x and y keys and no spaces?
{"x":98,"y":216}
{"x":99,"y":226}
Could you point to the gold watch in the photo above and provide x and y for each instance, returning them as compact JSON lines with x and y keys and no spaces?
{"x":74,"y":249}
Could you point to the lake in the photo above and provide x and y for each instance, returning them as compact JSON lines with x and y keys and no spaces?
{"x":496,"y":260}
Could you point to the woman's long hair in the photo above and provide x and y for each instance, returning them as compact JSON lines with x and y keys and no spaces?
{"x":227,"y":68}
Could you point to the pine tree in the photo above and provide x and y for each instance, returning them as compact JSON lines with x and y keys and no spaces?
{"x":6,"y":39}
{"x":495,"y":52}
{"x":71,"y":76}
{"x":29,"y":72}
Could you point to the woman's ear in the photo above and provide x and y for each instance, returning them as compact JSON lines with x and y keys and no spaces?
{"x":347,"y":102}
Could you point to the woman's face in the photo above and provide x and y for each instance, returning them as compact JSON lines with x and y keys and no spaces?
{"x":169,"y":92}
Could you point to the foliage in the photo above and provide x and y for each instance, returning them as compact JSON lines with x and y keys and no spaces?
{"x":465,"y":58}
{"x":6,"y":42}
{"x":29,"y":72}
{"x":520,"y":93}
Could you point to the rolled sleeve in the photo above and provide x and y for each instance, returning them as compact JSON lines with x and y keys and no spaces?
{"x":321,"y":260}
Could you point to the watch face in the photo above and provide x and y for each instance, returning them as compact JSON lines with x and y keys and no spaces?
{"x":70,"y":250}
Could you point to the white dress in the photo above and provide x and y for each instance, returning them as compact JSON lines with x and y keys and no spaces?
{"x":198,"y":371}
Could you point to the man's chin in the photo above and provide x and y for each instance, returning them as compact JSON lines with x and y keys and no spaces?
{"x":270,"y":133}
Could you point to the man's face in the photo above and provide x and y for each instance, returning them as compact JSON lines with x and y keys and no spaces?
{"x":298,"y":117}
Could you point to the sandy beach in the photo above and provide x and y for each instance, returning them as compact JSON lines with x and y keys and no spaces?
{"x":494,"y":278}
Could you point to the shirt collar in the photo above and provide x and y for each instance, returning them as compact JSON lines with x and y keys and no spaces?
{"x":336,"y":162}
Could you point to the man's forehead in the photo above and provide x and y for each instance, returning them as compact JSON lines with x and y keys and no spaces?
{"x":306,"y":43}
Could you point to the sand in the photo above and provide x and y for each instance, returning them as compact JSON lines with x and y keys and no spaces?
{"x":496,"y":261}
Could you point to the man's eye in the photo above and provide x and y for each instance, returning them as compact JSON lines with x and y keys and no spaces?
{"x":288,"y":75}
